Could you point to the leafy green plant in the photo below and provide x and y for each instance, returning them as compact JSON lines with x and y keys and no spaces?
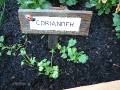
{"x":8,"y":49}
{"x":70,"y":52}
{"x":2,"y":2}
{"x":68,"y":2}
{"x":116,"y":23}
{"x":43,"y":66}
{"x":103,"y":6}
{"x":34,"y":4}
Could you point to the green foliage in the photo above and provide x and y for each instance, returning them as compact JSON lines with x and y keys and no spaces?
{"x":22,"y":51}
{"x":2,"y":2}
{"x":43,"y":66}
{"x":70,"y":52}
{"x":34,"y":4}
{"x":8,"y":49}
{"x":68,"y":2}
{"x":102,"y":7}
{"x":116,"y":23}
{"x":105,"y":7}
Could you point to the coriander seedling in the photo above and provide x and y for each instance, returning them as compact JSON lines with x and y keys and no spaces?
{"x":103,"y":6}
{"x":43,"y":66}
{"x":34,"y":4}
{"x":70,"y":52}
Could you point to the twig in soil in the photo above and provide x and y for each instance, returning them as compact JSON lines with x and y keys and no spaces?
{"x":17,"y":84}
{"x":116,"y":65}
{"x":42,"y":36}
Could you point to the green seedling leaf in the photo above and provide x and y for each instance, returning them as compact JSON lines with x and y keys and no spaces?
{"x":1,"y":38}
{"x":62,"y":1}
{"x":117,"y":28}
{"x":22,"y":51}
{"x":83,"y":58}
{"x":0,"y":54}
{"x":41,"y":68}
{"x":32,"y":60}
{"x":116,"y":19}
{"x":59,"y":46}
{"x":52,"y":51}
{"x":90,"y":5}
{"x":64,"y":55}
{"x":1,"y":45}
{"x":71,"y":2}
{"x":22,"y":63}
{"x":55,"y":74}
{"x":68,"y":2}
{"x":9,"y":52}
{"x":72,"y":42}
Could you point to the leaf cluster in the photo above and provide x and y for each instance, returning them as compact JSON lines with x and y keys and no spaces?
{"x":68,"y":2}
{"x":43,"y":66}
{"x":103,"y":8}
{"x":71,"y":53}
{"x":2,"y":2}
{"x":116,"y":23}
{"x":8,"y":49}
{"x":34,"y":4}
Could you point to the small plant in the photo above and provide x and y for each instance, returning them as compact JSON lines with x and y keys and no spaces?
{"x":43,"y":66}
{"x":68,"y":2}
{"x":34,"y":4}
{"x":116,"y":23}
{"x":70,"y":52}
{"x":2,"y":2}
{"x":8,"y":49}
{"x":103,"y":6}
{"x":116,"y":20}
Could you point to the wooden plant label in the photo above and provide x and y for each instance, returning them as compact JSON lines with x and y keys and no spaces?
{"x":65,"y":22}
{"x":55,"y":23}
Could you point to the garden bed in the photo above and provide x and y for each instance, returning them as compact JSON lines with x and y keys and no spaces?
{"x":101,"y":45}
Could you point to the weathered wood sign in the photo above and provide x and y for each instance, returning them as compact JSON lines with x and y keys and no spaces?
{"x":55,"y":22}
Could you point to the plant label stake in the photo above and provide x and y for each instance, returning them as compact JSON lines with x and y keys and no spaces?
{"x":54,"y":23}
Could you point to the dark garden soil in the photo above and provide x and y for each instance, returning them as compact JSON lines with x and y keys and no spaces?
{"x":101,"y":45}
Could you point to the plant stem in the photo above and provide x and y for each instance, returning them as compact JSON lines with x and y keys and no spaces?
{"x":27,"y":61}
{"x":52,"y":58}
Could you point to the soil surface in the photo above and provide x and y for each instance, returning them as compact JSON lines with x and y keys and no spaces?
{"x":101,"y":45}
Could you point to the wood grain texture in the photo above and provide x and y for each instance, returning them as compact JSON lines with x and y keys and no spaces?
{"x":84,"y":27}
{"x":113,"y":85}
{"x":52,"y":41}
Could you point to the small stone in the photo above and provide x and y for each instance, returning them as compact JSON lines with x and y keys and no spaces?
{"x":13,"y":77}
